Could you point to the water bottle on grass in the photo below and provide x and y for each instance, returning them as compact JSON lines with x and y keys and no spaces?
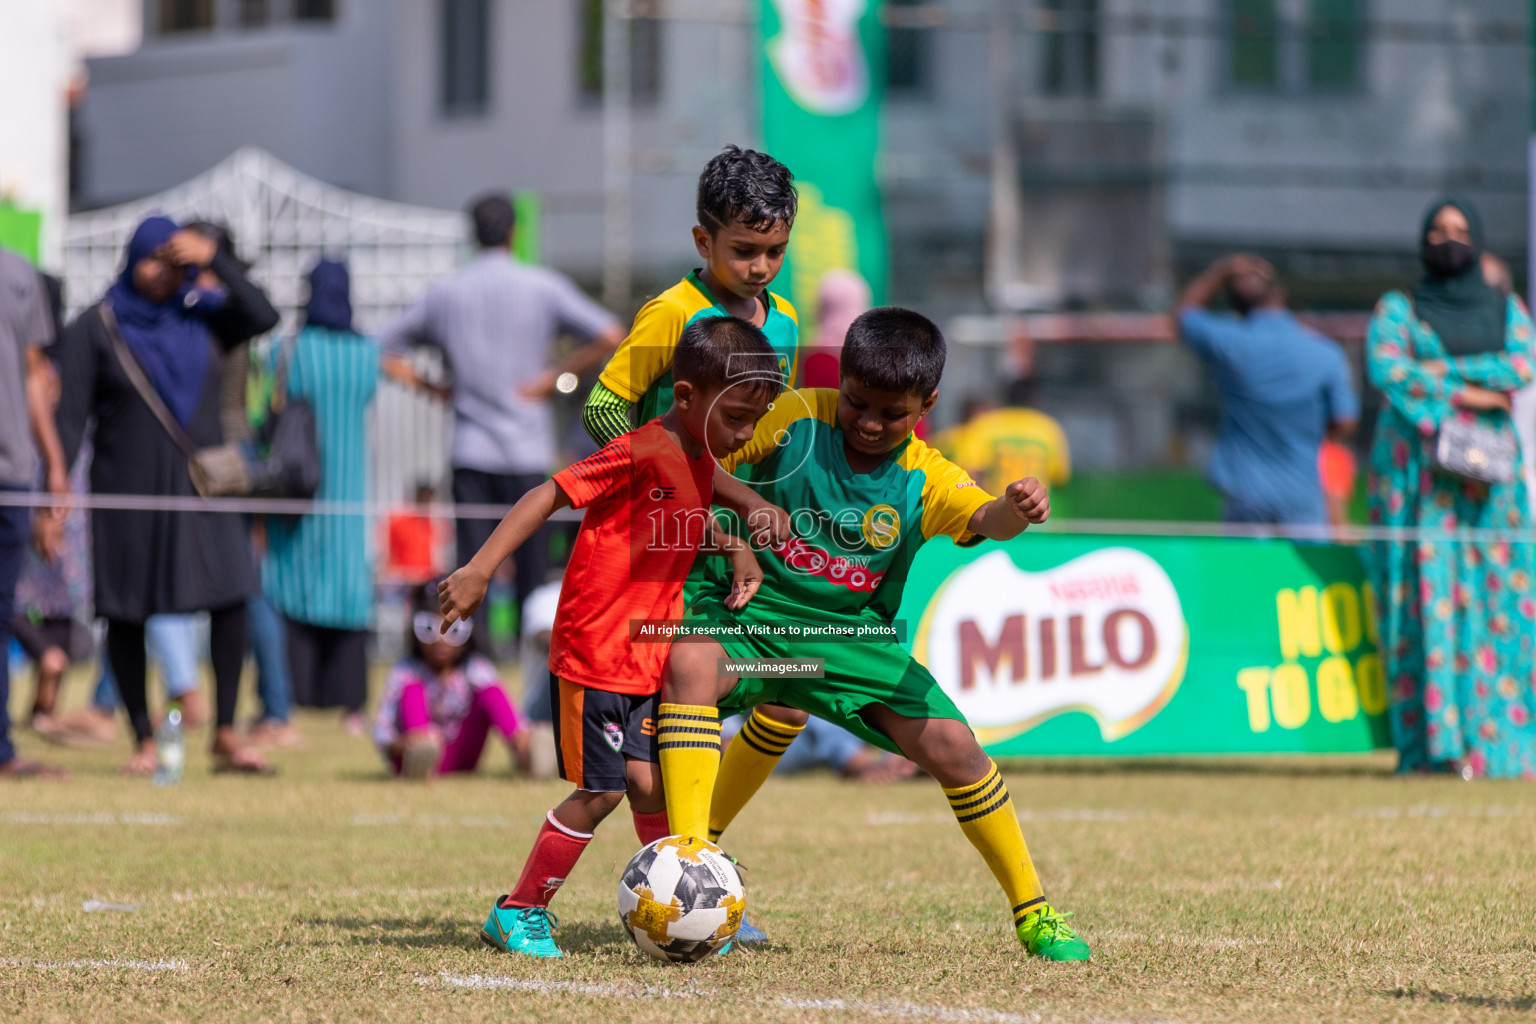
{"x":170,"y":749}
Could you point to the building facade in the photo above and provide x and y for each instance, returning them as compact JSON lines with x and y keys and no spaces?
{"x":1056,"y":154}
{"x":1173,"y":129}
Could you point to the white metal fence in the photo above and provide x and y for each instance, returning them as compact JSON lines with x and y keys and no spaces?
{"x":282,"y":221}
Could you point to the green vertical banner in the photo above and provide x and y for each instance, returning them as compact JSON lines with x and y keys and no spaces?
{"x":21,"y":231}
{"x":823,"y":71}
{"x":528,"y":207}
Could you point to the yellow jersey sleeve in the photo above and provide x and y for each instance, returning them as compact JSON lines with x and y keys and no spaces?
{"x":788,"y":308}
{"x":1061,"y":457}
{"x":789,"y":408}
{"x":647,"y":353}
{"x":950,"y":496}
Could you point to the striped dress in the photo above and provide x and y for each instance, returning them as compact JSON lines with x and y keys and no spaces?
{"x":318,"y":569}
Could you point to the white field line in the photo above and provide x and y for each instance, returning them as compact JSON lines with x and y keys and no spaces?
{"x":908,"y":1011}
{"x":483,"y":981}
{"x":1445,"y":811}
{"x":443,"y":820}
{"x":883,"y":1009}
{"x":898,"y":818}
{"x":128,"y":965}
{"x":1025,"y":814}
{"x":35,"y":818}
{"x":1220,"y":942}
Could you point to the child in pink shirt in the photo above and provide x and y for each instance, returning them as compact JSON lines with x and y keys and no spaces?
{"x":442,"y":701}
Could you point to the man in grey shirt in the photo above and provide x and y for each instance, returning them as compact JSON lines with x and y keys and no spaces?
{"x":495,"y":320}
{"x":26,"y":414}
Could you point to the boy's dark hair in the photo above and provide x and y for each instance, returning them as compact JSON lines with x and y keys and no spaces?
{"x":494,"y":220}
{"x":747,"y":186}
{"x":715,"y":352}
{"x":894,"y":349}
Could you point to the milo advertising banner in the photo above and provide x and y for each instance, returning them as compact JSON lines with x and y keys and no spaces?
{"x":1056,"y":644}
{"x":823,"y":65}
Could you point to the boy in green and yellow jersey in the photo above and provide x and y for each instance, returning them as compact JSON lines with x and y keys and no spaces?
{"x":746,"y":207}
{"x":863,"y":495}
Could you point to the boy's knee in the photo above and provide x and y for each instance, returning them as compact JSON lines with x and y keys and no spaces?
{"x":692,"y":673}
{"x":603,"y":804}
{"x":644,"y":787}
{"x":786,"y":715}
{"x":949,"y":752}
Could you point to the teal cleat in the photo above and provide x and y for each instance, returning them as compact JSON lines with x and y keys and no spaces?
{"x":521,"y":930}
{"x":750,"y":935}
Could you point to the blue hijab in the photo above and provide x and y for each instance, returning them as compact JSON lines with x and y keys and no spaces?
{"x":330,"y":297}
{"x":168,"y":339}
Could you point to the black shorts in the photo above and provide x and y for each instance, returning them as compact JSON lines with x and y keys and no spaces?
{"x":595,"y":730}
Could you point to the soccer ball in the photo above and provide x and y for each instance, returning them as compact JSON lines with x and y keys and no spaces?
{"x":681,"y":899}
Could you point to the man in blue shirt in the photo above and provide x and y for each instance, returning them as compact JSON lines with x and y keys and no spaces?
{"x":1286,"y":388}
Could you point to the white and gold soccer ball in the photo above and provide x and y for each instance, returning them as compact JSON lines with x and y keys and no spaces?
{"x":681,"y":899}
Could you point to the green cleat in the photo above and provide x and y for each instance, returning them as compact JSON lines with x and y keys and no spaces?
{"x":1045,"y":934}
{"x":522,"y":930}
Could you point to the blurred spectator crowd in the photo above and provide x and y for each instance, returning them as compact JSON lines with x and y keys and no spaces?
{"x":160,"y":375}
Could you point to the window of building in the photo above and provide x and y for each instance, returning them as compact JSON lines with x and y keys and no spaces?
{"x":254,"y":13}
{"x":185,"y":16}
{"x":1254,"y":44}
{"x":645,"y":52}
{"x":1071,"y":60}
{"x":465,"y":57}
{"x":314,"y":10}
{"x":909,"y":50}
{"x":1333,"y":44}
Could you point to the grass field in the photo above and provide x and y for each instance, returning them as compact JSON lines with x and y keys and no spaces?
{"x":1275,"y":891}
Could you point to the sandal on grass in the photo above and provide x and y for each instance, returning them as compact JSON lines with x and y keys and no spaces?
{"x":143,"y":763}
{"x":24,"y":768}
{"x":241,"y":762}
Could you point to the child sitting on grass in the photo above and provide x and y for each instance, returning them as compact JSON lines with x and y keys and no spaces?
{"x":443,"y":699}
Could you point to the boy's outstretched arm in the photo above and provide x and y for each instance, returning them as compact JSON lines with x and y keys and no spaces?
{"x":460,"y":594}
{"x":1010,"y":514}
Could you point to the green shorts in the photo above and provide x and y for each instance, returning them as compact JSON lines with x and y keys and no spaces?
{"x":859,"y":673}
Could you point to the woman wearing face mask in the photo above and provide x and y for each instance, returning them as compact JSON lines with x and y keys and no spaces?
{"x":1457,"y":618}
{"x":149,"y":562}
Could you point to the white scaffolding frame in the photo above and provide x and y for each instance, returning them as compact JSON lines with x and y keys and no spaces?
{"x":282,"y":221}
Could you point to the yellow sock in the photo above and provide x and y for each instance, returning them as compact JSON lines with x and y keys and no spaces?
{"x":985,"y":812}
{"x":688,"y":745}
{"x":746,"y":765}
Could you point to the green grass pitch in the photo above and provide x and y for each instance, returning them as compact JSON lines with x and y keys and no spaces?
{"x":1283,"y":890}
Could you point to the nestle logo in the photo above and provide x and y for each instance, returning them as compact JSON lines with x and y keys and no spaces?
{"x":663,"y":493}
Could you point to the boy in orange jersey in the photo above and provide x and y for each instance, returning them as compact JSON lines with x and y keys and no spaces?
{"x":647,"y":495}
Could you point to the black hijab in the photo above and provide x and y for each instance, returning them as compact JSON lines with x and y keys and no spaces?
{"x":1465,"y":311}
{"x":330,"y":297}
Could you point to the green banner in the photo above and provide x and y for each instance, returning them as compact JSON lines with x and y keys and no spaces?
{"x":823,"y":69}
{"x":1055,"y":644}
{"x":21,"y":231}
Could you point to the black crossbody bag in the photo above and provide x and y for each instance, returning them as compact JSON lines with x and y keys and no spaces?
{"x":289,"y":469}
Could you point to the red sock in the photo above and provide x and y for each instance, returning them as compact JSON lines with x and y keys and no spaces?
{"x":555,"y":852}
{"x":651,"y":827}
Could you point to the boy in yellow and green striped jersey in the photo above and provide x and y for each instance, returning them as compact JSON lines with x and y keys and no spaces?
{"x":746,"y":207}
{"x":864,"y":495}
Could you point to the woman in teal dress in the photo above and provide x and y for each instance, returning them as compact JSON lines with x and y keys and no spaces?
{"x":1456,"y":616}
{"x":318,"y":570}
